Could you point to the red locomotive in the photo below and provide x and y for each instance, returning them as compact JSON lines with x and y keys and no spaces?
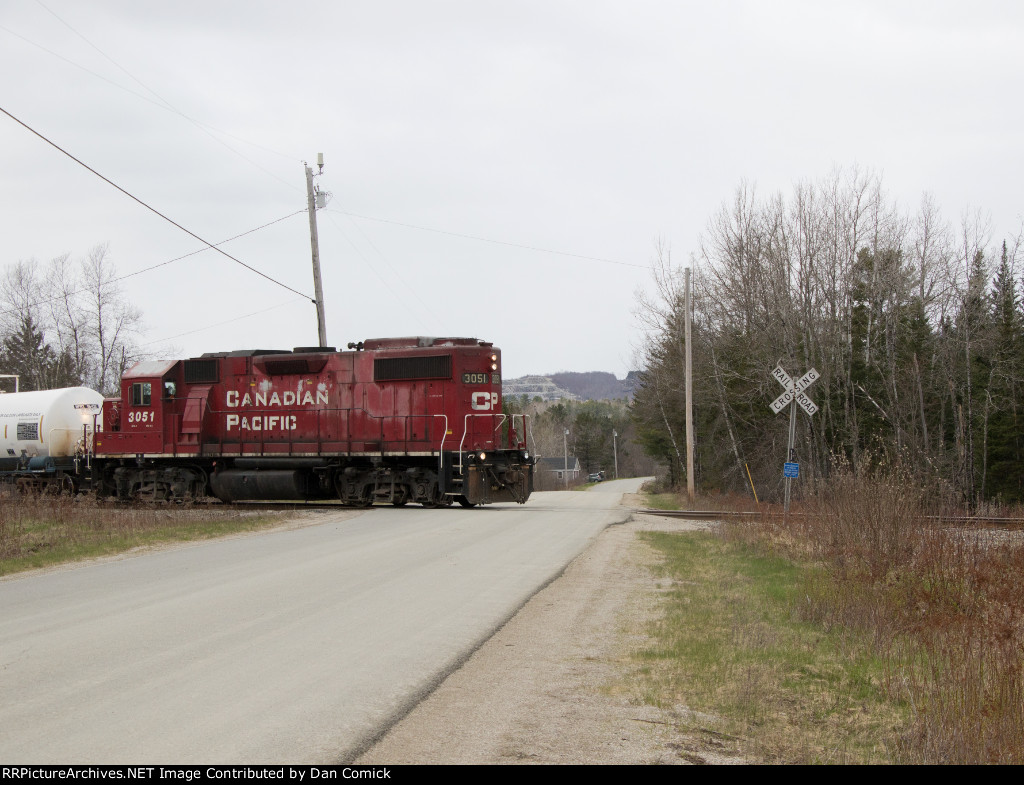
{"x":394,"y":420}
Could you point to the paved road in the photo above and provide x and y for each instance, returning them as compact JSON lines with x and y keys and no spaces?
{"x":291,"y":646}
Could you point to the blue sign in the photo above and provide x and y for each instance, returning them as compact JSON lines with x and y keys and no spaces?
{"x":791,"y":469}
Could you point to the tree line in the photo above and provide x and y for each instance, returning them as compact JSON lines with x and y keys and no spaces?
{"x":66,"y":323}
{"x":600,"y":434}
{"x":915,"y":324}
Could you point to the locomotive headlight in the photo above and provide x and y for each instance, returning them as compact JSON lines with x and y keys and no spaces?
{"x":483,"y":456}
{"x":494,"y":366}
{"x":494,"y":362}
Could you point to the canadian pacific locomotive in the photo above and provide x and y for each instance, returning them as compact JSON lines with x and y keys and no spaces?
{"x":393,"y":420}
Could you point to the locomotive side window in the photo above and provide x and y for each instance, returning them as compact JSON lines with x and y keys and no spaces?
{"x":142,"y":392}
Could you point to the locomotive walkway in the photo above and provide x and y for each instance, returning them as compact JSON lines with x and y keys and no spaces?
{"x":294,"y":646}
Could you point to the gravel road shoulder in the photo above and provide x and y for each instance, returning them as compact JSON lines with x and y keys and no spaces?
{"x":551,"y":686}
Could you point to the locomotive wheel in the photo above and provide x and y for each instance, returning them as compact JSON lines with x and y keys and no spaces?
{"x":436,"y":499}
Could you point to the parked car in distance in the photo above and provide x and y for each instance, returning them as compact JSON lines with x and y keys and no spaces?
{"x":594,"y":477}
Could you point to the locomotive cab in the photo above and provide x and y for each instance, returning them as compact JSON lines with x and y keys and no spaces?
{"x":134,"y":422}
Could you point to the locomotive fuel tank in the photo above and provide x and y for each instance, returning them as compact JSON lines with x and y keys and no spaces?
{"x":47,"y":423}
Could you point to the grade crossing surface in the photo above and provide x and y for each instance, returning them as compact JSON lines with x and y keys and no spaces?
{"x":291,"y":646}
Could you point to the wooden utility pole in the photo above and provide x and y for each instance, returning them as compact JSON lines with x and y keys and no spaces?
{"x":315,"y":242}
{"x":689,"y":396}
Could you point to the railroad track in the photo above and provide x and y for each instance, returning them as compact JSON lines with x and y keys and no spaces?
{"x":714,"y":515}
{"x":699,"y":515}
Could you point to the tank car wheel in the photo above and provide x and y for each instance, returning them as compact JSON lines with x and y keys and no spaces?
{"x":464,"y":501}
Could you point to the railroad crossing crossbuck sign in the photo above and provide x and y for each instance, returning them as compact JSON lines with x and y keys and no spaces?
{"x":794,"y":394}
{"x":794,"y":390}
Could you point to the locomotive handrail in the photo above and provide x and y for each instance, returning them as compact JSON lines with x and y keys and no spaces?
{"x":527,"y":430}
{"x":465,"y":430}
{"x":440,"y":448}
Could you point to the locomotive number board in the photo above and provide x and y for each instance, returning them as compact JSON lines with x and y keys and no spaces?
{"x":481,"y":378}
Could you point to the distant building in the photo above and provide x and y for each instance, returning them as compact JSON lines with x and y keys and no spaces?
{"x":553,"y":474}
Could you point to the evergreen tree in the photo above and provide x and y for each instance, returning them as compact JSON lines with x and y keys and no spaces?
{"x":1004,"y":456}
{"x":26,"y":353}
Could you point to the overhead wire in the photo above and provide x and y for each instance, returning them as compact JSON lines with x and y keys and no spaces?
{"x":226,"y":321}
{"x":167,"y":106}
{"x":490,"y":240}
{"x":161,"y":102}
{"x":154,"y":266}
{"x":372,"y":268}
{"x":110,"y":59}
{"x":153,"y":210}
{"x":366,"y":262}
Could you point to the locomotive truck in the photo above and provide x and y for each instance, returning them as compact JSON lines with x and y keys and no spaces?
{"x":393,"y":420}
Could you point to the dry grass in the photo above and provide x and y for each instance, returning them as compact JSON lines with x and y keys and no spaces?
{"x":938,"y":605}
{"x":731,"y":651}
{"x":40,"y":531}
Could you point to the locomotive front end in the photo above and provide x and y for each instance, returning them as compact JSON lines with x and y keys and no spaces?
{"x":492,"y":463}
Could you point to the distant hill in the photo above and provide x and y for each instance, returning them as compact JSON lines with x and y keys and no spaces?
{"x":588,"y":386}
{"x":534,"y":387}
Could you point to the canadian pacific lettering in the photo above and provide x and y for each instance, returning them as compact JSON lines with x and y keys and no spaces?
{"x":262,"y":422}
{"x":235,"y":399}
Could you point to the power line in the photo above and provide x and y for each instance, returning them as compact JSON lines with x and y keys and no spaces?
{"x":204,"y":250}
{"x":164,"y":101}
{"x":155,"y":266}
{"x":383,"y":280}
{"x":226,"y":321}
{"x":161,"y":103}
{"x":490,"y":240}
{"x":154,"y":210}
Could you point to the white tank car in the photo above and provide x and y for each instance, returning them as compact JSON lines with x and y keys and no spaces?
{"x":48,"y":423}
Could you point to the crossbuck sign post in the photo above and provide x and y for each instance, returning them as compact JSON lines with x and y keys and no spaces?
{"x":794,"y":395}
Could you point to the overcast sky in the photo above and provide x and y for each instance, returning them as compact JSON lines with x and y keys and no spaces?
{"x":497,"y":169}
